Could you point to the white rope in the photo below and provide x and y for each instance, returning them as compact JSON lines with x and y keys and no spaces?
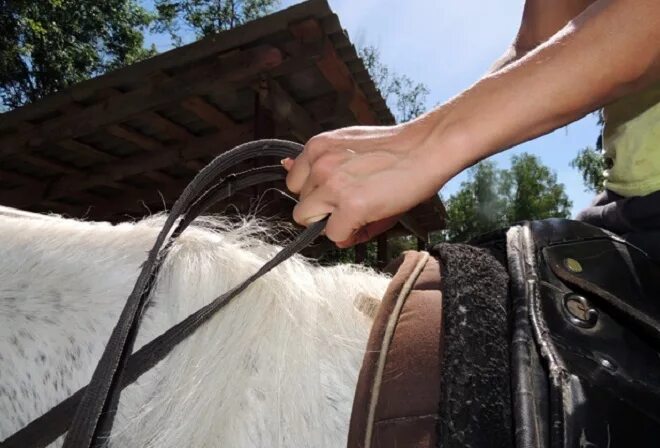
{"x":385,"y":344}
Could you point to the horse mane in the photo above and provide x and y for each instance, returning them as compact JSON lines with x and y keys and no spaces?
{"x":277,"y":366}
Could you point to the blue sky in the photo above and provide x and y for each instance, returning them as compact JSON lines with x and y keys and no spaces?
{"x":448,"y":45}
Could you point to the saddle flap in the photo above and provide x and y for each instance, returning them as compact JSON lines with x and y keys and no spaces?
{"x":590,"y":300}
{"x":398,"y":392}
{"x":618,"y":274}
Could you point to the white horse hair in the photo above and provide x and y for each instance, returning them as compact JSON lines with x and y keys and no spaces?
{"x":276,"y":367}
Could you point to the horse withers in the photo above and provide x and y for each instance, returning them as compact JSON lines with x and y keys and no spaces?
{"x":278,"y":366}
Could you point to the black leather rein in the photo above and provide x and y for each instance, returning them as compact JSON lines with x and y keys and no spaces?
{"x":95,"y":405}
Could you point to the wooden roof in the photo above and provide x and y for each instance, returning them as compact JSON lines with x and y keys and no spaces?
{"x":126,"y":143}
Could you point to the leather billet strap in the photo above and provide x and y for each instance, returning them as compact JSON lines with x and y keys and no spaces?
{"x":398,"y":391}
{"x":96,"y":404}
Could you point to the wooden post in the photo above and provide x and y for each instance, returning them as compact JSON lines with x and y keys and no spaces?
{"x":360,"y":252}
{"x":381,"y":252}
{"x":264,"y":124}
{"x":265,"y":127}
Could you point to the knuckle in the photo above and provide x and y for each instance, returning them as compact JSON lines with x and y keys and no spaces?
{"x":354,"y":204}
{"x":336,"y":184}
{"x":317,"y":145}
{"x":322,"y":169}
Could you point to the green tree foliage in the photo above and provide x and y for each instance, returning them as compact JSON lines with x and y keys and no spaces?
{"x":590,"y":163}
{"x":494,"y":198}
{"x":532,"y":191}
{"x":46,"y":45}
{"x":205,"y":17}
{"x":479,"y":206}
{"x":405,"y":96}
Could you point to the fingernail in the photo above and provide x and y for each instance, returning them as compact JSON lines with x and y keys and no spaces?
{"x":316,"y":218}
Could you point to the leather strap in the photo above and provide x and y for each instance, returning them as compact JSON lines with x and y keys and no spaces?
{"x":96,"y":404}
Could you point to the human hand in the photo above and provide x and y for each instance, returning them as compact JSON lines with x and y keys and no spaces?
{"x":364,"y":177}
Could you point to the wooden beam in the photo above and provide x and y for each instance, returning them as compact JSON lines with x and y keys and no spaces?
{"x":186,"y":55}
{"x":327,"y":107}
{"x":71,"y":144}
{"x":123,"y":132}
{"x":17,"y":178}
{"x":224,"y":74}
{"x":30,"y":183}
{"x":195,"y":165}
{"x":49,"y":164}
{"x":132,"y":201}
{"x":381,"y":251}
{"x":56,"y":166}
{"x":285,"y":108}
{"x":413,"y":226}
{"x":164,"y":125}
{"x":360,"y":252}
{"x":141,"y":141}
{"x":176,"y":132}
{"x":85,"y":149}
{"x":128,"y":166}
{"x":87,"y":201}
{"x":336,"y":72}
{"x":173,"y":130}
{"x":207,"y":112}
{"x":263,"y":119}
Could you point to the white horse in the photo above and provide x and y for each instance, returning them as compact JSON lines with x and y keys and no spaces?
{"x":276,"y":367}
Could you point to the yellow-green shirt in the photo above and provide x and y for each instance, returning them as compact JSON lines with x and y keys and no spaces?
{"x":631,"y":143}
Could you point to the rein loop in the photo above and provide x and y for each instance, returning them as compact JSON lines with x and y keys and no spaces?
{"x":96,"y":405}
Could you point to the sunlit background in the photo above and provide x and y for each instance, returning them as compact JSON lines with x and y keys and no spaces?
{"x":448,"y":45}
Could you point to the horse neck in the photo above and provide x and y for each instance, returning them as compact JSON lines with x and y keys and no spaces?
{"x":278,"y":366}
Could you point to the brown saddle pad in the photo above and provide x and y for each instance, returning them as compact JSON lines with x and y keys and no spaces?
{"x":398,"y":392}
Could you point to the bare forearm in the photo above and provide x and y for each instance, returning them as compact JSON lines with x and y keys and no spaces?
{"x":611,"y":49}
{"x":510,"y":56}
{"x":541,"y":20}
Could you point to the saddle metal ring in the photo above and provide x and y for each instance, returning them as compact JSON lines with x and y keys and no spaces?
{"x":579,"y":312}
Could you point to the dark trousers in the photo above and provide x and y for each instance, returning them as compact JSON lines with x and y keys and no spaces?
{"x":635,"y":219}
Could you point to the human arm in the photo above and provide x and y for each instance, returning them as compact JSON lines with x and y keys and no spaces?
{"x":610,"y":49}
{"x":541,"y":19}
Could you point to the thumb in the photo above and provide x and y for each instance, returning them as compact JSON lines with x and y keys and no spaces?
{"x":287,"y":163}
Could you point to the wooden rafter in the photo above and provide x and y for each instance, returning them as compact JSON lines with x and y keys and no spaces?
{"x":128,"y":166}
{"x":287,"y":109}
{"x":302,"y":85}
{"x":223,"y":75}
{"x":336,"y":72}
{"x":207,"y":112}
{"x":48,"y":164}
{"x":131,"y":200}
{"x":125,"y":133}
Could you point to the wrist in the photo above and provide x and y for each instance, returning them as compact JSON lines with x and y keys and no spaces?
{"x":443,"y":148}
